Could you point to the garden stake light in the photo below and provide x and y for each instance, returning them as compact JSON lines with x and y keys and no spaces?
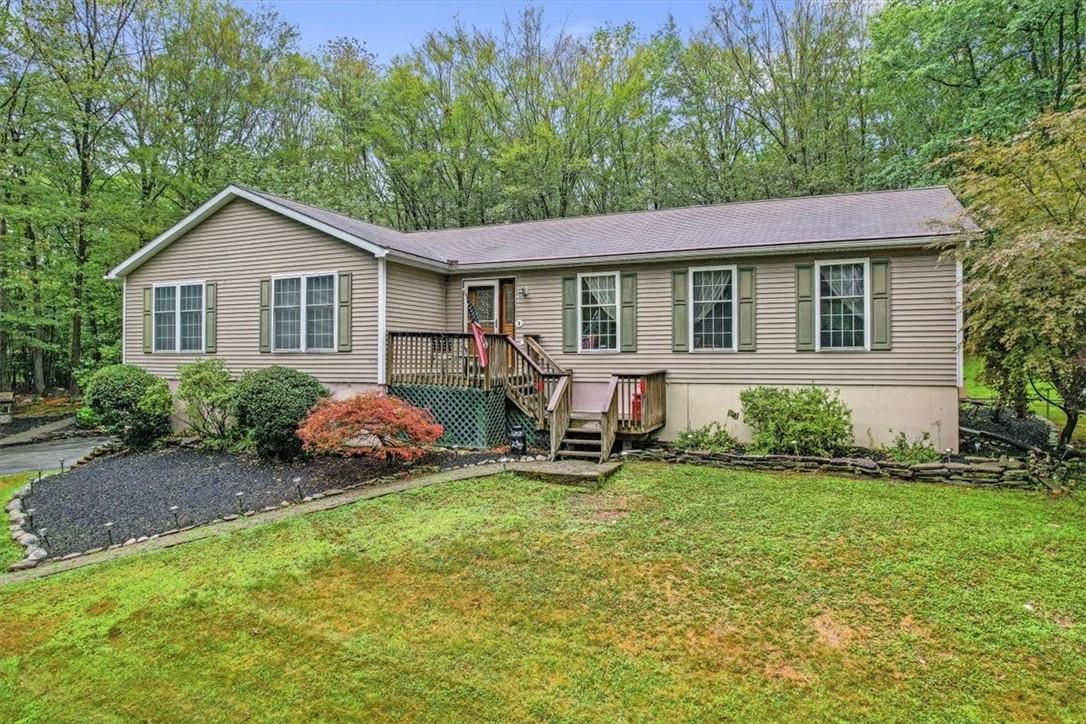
{"x":109,"y":532}
{"x":237,"y":496}
{"x":62,"y":465}
{"x":30,"y":517}
{"x":173,"y":509}
{"x":44,"y":537}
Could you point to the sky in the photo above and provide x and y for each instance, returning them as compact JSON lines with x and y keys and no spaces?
{"x":388,"y":27}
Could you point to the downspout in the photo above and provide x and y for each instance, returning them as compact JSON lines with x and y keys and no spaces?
{"x":124,"y":319}
{"x":959,"y":322}
{"x":382,"y":319}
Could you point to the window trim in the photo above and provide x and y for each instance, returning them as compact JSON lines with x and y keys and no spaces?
{"x":202,"y":283}
{"x":303,"y":321}
{"x":618,"y":313}
{"x":866,"y":262}
{"x":734,"y":269}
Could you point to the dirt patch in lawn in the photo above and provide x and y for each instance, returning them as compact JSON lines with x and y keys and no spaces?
{"x":602,"y":507}
{"x":831,"y":633}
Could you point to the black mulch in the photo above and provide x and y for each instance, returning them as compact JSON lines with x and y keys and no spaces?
{"x":134,"y":491}
{"x":1030,"y":430}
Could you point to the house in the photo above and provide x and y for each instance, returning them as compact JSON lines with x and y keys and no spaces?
{"x":601,"y":327}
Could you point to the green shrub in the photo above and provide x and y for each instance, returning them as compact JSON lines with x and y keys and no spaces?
{"x":712,"y":437}
{"x":207,"y":393}
{"x":807,"y":421}
{"x":271,"y":403}
{"x":911,"y":452}
{"x":85,"y":418}
{"x":130,"y":403}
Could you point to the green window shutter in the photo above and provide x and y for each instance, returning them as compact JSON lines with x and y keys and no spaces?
{"x":147,"y":331}
{"x":569,"y":314}
{"x":265,"y":315}
{"x":211,"y":314}
{"x":344,"y":319}
{"x":628,"y":318}
{"x":805,"y":311}
{"x":680,"y":321}
{"x":746,"y":309}
{"x":880,"y":304}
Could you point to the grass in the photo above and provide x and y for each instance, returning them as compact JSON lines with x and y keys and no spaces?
{"x":10,"y":551}
{"x":976,"y":389}
{"x":675,"y":593}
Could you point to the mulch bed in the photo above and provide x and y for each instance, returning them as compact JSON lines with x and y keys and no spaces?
{"x":135,"y":490}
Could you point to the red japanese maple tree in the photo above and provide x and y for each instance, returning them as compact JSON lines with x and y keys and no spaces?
{"x":369,"y":425}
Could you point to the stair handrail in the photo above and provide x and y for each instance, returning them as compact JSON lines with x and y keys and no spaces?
{"x":547,"y":362}
{"x":609,"y":418}
{"x":559,"y":409}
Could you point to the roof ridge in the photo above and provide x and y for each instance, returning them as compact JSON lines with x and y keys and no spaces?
{"x":604,"y":214}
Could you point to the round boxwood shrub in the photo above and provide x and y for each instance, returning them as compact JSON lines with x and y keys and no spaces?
{"x":270,"y":405}
{"x":130,"y":402}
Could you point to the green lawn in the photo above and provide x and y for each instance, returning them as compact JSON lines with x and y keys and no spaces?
{"x":10,"y":551}
{"x":674,"y":593}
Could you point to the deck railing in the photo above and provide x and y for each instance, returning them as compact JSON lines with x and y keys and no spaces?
{"x":641,"y":398}
{"x":609,"y":419}
{"x":559,"y":411}
{"x":450,"y":359}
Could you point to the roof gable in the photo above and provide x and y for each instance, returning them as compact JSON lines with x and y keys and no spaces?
{"x":216,"y":202}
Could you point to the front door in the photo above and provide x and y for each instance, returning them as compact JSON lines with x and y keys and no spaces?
{"x":495,"y":305}
{"x":484,"y":298}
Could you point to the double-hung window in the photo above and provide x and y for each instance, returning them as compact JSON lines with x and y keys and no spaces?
{"x":843,"y":304}
{"x":712,"y":309}
{"x":179,"y":317}
{"x":598,"y":308}
{"x":304,"y":313}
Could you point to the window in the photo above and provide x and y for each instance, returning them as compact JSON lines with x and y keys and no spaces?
{"x":598,"y":312}
{"x":179,"y":318}
{"x":712,"y":309}
{"x":842,"y":305}
{"x":308,"y":326}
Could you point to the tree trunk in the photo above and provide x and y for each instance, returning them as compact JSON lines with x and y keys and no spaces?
{"x":37,"y":354}
{"x":1068,"y":429}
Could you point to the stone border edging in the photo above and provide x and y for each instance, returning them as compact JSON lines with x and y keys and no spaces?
{"x":982,"y":472}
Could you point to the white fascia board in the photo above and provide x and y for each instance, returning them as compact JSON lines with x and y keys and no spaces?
{"x":215,"y":203}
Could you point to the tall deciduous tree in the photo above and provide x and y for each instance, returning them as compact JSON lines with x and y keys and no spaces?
{"x":1026,"y":298}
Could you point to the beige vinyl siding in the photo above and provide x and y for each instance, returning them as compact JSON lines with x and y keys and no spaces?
{"x":237,"y":247}
{"x":922,"y":316}
{"x":416,"y":299}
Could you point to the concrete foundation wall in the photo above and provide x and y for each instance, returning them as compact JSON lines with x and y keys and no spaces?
{"x":875,"y":411}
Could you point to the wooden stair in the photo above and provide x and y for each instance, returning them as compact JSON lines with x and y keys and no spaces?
{"x":583,"y":439}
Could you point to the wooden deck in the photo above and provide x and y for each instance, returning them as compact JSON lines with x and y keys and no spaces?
{"x":634,"y":404}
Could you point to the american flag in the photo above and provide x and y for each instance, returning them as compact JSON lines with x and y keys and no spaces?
{"x":477,"y":333}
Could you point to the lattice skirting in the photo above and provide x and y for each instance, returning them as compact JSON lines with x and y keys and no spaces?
{"x":472,"y":418}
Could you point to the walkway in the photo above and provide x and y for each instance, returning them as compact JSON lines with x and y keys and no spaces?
{"x":46,"y":455}
{"x":21,"y":438}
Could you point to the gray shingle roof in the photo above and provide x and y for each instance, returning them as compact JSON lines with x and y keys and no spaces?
{"x":880,"y":215}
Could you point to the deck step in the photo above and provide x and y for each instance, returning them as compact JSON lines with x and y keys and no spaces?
{"x":585,"y":415}
{"x":580,"y":454}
